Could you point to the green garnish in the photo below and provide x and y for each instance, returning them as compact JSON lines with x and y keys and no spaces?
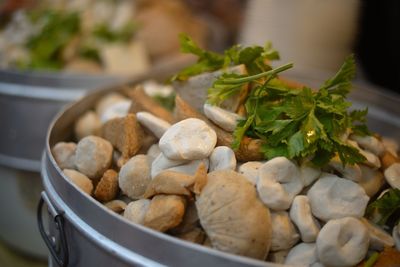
{"x":295,"y":123}
{"x":386,"y":206}
{"x":167,"y":102}
{"x":372,"y":260}
{"x":45,"y":48}
{"x":292,"y":122}
{"x":124,"y":35}
{"x":254,"y":58}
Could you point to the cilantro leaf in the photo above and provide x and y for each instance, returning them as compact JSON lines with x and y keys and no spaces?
{"x":386,"y":206}
{"x":207,"y":61}
{"x":254,"y":58}
{"x":340,"y":84}
{"x":45,"y":48}
{"x":292,"y":122}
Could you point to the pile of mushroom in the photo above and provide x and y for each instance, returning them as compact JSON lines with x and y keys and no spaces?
{"x":177,"y":174}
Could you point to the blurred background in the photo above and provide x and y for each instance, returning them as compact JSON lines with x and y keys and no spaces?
{"x":53,"y":51}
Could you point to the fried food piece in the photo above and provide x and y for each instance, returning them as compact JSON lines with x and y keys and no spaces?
{"x":125,"y":134}
{"x":107,"y":188}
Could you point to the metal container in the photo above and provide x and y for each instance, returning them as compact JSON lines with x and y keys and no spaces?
{"x":83,"y":232}
{"x":28,"y":102}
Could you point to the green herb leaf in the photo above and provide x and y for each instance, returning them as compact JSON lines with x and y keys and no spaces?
{"x":124,"y":34}
{"x":45,"y":48}
{"x":254,"y":58}
{"x":340,"y":84}
{"x":292,"y":122}
{"x":386,"y":205}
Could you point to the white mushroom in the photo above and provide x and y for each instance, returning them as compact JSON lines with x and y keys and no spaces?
{"x":116,"y":110}
{"x":278,"y":183}
{"x":93,"y":156}
{"x":232,"y":215}
{"x":396,"y":236}
{"x":134,"y":176}
{"x":303,"y":254}
{"x":136,"y":210}
{"x":342,"y":242}
{"x":309,"y":173}
{"x":161,"y":163}
{"x":154,"y":124}
{"x":165,"y":212}
{"x":351,"y":172}
{"x":250,"y":170}
{"x":391,"y":145}
{"x":223,"y":118}
{"x":222,"y":158}
{"x":88,"y":124}
{"x":372,"y":160}
{"x":188,"y":140}
{"x":370,"y":143}
{"x":392,"y":175}
{"x":332,"y":197}
{"x":300,"y":213}
{"x":153,"y":152}
{"x":378,"y":237}
{"x":372,"y":180}
{"x":284,"y":234}
{"x":108,"y":100}
{"x":190,"y":167}
{"x":64,"y":154}
{"x":80,"y":180}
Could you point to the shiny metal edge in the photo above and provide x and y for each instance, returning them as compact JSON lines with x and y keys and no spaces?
{"x":20,"y":163}
{"x":42,"y":92}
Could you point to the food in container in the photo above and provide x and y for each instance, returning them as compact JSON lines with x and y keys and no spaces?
{"x":306,"y":185}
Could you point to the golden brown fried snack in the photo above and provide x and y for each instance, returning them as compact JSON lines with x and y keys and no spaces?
{"x":165,"y":212}
{"x":107,"y":188}
{"x":125,"y":134}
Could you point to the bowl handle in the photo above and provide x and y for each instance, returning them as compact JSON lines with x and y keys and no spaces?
{"x":58,"y":250}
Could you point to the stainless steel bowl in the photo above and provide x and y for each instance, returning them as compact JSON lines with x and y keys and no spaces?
{"x":90,"y":235}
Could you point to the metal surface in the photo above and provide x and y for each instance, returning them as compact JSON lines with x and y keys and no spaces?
{"x":19,"y":193}
{"x":28,"y":102}
{"x":98,"y":237}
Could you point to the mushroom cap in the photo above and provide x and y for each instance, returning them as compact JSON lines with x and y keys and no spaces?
{"x":284,"y":234}
{"x":342,"y":242}
{"x":300,"y":213}
{"x":392,"y":175}
{"x":93,"y":156}
{"x":64,"y":154}
{"x":188,"y":140}
{"x":232,"y":215}
{"x":135,"y":211}
{"x":80,"y":180}
{"x":332,"y":197}
{"x":279,"y":181}
{"x":134,"y":176}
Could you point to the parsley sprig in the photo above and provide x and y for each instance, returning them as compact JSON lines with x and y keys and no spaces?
{"x":292,"y":122}
{"x":386,"y":206}
{"x":295,"y":123}
{"x":254,"y":58}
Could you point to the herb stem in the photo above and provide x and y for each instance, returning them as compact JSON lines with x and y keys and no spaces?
{"x":256,"y":76}
{"x":371,"y":260}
